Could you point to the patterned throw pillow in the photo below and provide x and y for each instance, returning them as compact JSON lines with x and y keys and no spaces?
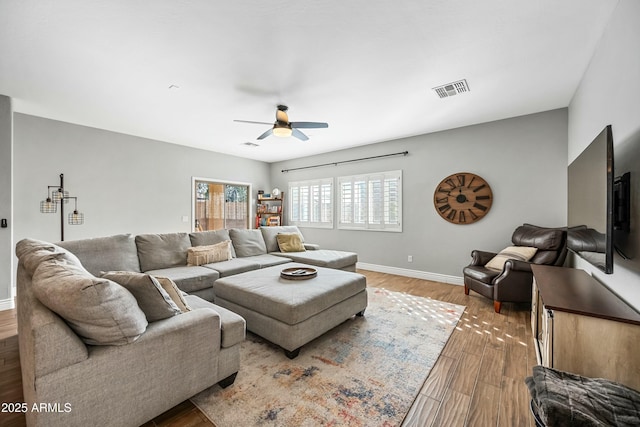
{"x":521,"y":253}
{"x":290,"y":242}
{"x":200,"y":255}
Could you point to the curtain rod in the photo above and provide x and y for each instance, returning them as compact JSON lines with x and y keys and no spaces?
{"x":404,"y":153}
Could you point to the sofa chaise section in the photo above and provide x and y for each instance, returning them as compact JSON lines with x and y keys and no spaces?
{"x":339,"y":260}
{"x":312,"y":255}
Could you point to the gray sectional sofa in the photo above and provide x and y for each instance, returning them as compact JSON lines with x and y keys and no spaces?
{"x":171,"y":359}
{"x":166,"y":255}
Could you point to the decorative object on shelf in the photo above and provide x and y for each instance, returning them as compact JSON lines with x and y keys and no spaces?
{"x":298,"y":273}
{"x":276,"y":192}
{"x":463,"y":198}
{"x":61,"y":196}
{"x":273,"y":221}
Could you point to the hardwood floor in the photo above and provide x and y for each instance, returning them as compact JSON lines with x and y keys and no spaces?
{"x":478,"y":379}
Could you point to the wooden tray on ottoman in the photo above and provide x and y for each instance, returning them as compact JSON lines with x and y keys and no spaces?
{"x":298,"y":273}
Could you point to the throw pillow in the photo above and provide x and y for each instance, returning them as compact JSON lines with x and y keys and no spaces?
{"x":290,"y":242}
{"x":98,"y":310}
{"x":521,"y":253}
{"x":200,"y":255}
{"x":176,"y":294}
{"x":211,"y":237}
{"x":154,"y":301}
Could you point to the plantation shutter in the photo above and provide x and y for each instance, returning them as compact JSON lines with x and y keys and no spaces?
{"x":371,"y":202}
{"x":311,"y":203}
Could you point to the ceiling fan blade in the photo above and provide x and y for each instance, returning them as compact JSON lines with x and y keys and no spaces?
{"x":266,"y":134}
{"x":309,"y":125}
{"x":252,"y":122}
{"x":301,"y":136}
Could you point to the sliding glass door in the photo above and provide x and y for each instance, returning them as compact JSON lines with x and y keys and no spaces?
{"x":220,"y":205}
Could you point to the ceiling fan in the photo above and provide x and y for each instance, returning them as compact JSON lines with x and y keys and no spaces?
{"x":284,"y":128}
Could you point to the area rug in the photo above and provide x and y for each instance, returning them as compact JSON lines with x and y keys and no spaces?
{"x":365,"y":372}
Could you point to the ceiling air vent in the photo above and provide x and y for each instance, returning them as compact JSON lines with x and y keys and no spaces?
{"x":451,"y":89}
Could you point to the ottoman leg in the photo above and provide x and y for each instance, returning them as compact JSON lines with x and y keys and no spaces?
{"x":360,"y":314}
{"x":292,"y":354}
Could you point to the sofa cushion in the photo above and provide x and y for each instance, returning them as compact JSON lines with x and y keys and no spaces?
{"x":32,"y":253}
{"x":156,"y":251}
{"x":200,"y":255}
{"x":233,"y":326}
{"x":234,"y":266}
{"x":154,"y":301}
{"x":247,"y":242}
{"x":99,"y":311}
{"x":242,"y":265}
{"x":322,"y":258}
{"x":269,"y":260}
{"x":102,"y":254}
{"x":188,"y":278}
{"x":520,"y":253}
{"x":269,"y":235}
{"x":205,"y":238}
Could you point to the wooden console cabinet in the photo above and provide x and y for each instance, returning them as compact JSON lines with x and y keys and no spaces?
{"x":580,"y":326}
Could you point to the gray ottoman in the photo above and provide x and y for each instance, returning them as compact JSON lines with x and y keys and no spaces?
{"x":290,"y":313}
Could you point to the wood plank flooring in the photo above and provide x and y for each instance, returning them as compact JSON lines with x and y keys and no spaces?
{"x":478,"y":379}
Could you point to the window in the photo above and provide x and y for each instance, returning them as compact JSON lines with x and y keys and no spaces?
{"x":371,"y":202}
{"x":311,"y":203}
{"x":219,"y":205}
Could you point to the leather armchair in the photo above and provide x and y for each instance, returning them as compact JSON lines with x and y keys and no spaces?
{"x":513,"y":283}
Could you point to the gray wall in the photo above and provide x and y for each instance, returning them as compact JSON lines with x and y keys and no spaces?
{"x":6,"y":247}
{"x":124,"y":184}
{"x":609,"y":93}
{"x":524,"y":160}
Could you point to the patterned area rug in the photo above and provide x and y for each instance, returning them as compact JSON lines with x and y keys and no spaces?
{"x":365,"y":372}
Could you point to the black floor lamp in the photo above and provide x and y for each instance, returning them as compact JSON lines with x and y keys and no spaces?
{"x":60,"y":195}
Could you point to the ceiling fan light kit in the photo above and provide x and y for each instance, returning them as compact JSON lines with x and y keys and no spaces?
{"x":283,"y":128}
{"x":282,"y":131}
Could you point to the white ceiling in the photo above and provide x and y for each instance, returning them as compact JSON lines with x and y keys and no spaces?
{"x":365,"y":67}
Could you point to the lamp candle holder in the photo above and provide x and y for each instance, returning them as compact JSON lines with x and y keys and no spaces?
{"x":62,"y":197}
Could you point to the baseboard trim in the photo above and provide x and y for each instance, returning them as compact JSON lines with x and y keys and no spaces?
{"x":6,"y":304}
{"x":417,"y":274}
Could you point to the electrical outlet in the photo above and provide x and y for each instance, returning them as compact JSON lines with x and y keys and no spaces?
{"x":185,"y":218}
{"x":410,"y":258}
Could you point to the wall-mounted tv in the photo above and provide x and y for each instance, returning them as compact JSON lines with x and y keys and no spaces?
{"x":590,"y":202}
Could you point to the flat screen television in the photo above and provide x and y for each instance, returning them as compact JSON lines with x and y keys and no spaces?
{"x":590,"y":203}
